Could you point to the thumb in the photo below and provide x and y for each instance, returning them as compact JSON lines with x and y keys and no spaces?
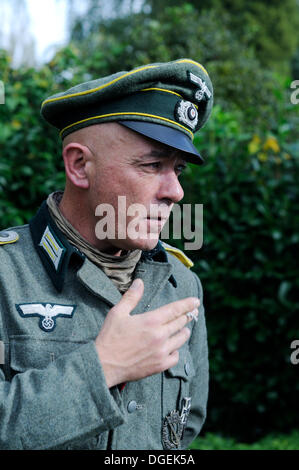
{"x":131,"y":298}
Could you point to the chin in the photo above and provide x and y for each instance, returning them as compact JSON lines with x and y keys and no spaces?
{"x":148,"y":245}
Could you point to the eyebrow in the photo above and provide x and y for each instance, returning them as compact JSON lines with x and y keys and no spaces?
{"x":161,"y":154}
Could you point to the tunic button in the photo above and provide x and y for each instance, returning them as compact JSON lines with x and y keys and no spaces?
{"x":187,"y":368}
{"x":132,"y":405}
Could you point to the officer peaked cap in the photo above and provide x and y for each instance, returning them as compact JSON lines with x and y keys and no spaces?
{"x":167,"y":102}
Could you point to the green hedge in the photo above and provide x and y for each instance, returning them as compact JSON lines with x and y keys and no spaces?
{"x":271,"y":442}
{"x":248,"y":266}
{"x":249,"y":269}
{"x":30,"y":162}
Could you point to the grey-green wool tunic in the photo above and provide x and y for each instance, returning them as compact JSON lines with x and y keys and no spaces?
{"x":52,"y":387}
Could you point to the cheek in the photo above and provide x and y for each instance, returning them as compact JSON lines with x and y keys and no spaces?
{"x":104,"y":187}
{"x":109,"y":183}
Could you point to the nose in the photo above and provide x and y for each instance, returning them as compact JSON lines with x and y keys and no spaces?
{"x":170,"y":188}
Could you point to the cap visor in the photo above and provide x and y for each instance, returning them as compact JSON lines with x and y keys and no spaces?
{"x":166,"y":135}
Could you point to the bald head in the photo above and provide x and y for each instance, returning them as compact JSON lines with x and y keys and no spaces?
{"x":92,"y":136}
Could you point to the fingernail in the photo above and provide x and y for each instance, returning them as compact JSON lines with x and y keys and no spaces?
{"x":196,"y":303}
{"x":136,"y":284}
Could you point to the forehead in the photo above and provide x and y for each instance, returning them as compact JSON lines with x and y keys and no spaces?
{"x":125,"y":144}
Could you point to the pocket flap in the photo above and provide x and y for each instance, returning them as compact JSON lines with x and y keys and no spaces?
{"x":185,"y":367}
{"x":31,"y":353}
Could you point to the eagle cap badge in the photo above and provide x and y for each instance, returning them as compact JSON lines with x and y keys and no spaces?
{"x":203,"y":91}
{"x":46,"y":312}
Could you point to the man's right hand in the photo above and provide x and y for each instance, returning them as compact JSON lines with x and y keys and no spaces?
{"x":131,"y":347}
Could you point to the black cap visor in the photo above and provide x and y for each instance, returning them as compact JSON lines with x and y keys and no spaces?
{"x":166,"y":135}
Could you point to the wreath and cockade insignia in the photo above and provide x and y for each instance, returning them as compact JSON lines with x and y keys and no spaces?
{"x":187,"y":113}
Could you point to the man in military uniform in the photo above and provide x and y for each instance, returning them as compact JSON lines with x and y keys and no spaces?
{"x":103,"y":338}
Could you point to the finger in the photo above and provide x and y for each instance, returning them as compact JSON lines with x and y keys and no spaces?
{"x":172,"y":360}
{"x":130,"y":299}
{"x":176,"y":341}
{"x":174,"y":310}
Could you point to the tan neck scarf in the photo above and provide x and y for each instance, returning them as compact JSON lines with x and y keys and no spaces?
{"x":119,"y":269}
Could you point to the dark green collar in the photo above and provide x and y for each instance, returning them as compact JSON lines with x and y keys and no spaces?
{"x":158,"y":254}
{"x":56,"y":252}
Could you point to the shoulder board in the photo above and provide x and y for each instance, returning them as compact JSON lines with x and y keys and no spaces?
{"x":8,"y":237}
{"x":179,"y":254}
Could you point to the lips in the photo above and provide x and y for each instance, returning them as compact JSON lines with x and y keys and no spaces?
{"x":161,"y":216}
{"x":157,"y":220}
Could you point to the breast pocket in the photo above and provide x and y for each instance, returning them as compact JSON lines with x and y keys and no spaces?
{"x":33,"y":353}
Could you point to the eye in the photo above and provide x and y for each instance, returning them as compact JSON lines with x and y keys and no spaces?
{"x":180,"y":168}
{"x":154,"y":165}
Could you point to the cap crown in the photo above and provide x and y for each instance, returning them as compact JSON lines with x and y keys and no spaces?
{"x":177,"y":94}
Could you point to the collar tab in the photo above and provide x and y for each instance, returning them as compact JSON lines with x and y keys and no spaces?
{"x":52,"y":246}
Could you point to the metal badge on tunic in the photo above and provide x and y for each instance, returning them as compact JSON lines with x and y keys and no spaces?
{"x":174,"y":425}
{"x":172,"y":430}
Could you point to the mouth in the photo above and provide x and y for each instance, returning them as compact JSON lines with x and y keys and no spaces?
{"x":155,"y":224}
{"x":157,"y":219}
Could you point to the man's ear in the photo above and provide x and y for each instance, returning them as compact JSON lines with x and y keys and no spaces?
{"x":76,"y":157}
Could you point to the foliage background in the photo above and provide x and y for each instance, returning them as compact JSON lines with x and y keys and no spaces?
{"x":249,"y":184}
